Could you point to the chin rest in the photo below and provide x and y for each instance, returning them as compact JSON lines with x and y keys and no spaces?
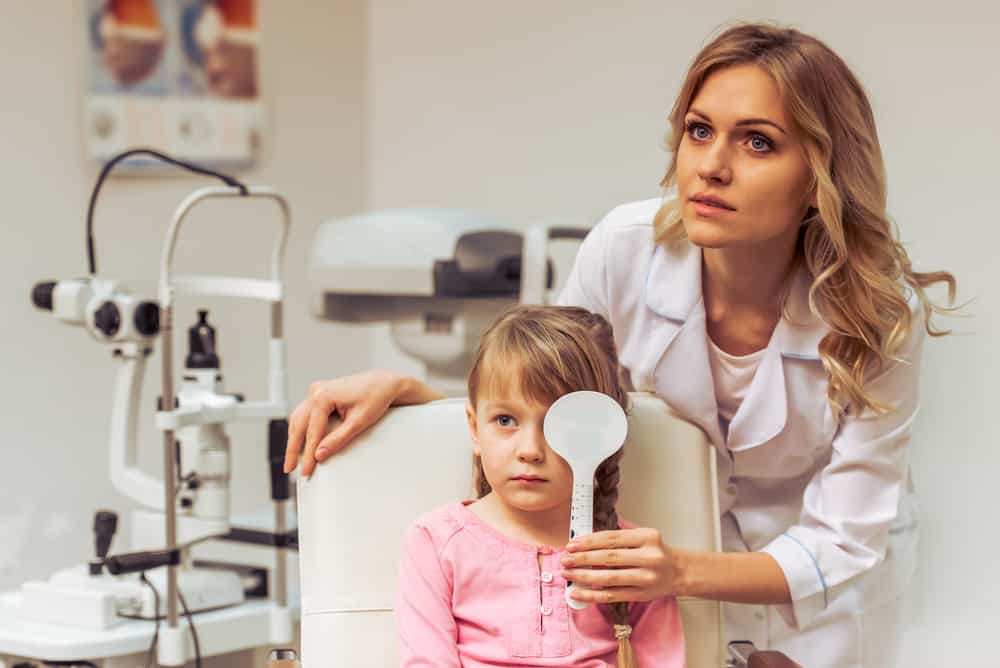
{"x":354,"y":509}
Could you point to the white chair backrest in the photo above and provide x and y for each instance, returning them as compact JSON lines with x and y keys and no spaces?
{"x":355,"y":508}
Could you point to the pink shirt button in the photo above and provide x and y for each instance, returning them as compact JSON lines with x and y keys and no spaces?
{"x":546,"y":610}
{"x":546,"y":576}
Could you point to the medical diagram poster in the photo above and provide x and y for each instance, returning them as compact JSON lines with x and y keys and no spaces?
{"x":179,"y":76}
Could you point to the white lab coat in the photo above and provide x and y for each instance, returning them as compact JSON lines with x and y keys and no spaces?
{"x":831,"y":501}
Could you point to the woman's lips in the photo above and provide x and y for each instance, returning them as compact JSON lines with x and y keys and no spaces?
{"x":528,"y":480}
{"x":707,"y":209}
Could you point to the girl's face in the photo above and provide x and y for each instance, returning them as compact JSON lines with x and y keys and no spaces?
{"x":524,"y":472}
{"x":738,"y":147}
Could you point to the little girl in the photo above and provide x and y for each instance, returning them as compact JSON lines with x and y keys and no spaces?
{"x":479,"y":581}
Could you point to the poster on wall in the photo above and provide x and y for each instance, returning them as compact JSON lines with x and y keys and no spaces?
{"x":179,"y":76}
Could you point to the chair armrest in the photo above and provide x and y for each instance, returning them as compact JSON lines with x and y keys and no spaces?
{"x":743,"y":654}
{"x":770,"y":659}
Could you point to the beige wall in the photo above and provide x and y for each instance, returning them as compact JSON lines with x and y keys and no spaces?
{"x":557,"y":109}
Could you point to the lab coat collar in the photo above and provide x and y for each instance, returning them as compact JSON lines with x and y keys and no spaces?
{"x":673,"y":290}
{"x":673,"y":282}
{"x":683,"y":374}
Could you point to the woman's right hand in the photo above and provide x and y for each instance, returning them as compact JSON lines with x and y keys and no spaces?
{"x":360,"y":400}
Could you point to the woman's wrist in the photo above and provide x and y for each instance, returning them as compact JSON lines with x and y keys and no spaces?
{"x":408,"y":390}
{"x":402,"y":388}
{"x":744,"y":577}
{"x":684,"y":572}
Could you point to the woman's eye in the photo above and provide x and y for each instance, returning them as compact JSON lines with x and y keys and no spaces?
{"x":761,"y":144}
{"x":698,"y":131}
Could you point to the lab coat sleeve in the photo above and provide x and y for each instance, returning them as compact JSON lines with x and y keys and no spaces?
{"x":849,"y":505}
{"x":426,"y":628}
{"x":587,"y":283}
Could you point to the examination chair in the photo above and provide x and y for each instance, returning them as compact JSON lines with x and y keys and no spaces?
{"x":354,"y":509}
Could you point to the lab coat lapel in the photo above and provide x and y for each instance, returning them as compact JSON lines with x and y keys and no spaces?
{"x":682,"y":375}
{"x":764,"y":410}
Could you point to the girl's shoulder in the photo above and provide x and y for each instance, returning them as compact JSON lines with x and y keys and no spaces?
{"x":452,"y":527}
{"x":452,"y":536}
{"x":442,"y":523}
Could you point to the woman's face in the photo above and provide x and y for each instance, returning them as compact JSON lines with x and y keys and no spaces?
{"x":738,"y":148}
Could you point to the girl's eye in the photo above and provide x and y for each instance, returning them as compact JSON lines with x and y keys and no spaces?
{"x":504,"y":420}
{"x":761,"y":144}
{"x":698,"y":131}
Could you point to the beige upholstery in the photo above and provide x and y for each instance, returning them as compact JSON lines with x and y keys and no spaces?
{"x":353,"y":511}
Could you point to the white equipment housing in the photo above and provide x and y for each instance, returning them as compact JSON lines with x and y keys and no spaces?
{"x":439,"y":277}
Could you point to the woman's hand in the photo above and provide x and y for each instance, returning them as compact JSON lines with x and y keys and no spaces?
{"x":624,"y":565}
{"x":360,"y":400}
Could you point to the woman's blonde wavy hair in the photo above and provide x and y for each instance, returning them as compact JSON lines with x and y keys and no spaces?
{"x":542,"y":353}
{"x":860,"y":272}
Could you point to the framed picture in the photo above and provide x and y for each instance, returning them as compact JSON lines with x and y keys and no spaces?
{"x":179,"y":76}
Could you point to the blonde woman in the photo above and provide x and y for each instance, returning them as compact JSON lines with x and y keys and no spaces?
{"x":766,"y":298}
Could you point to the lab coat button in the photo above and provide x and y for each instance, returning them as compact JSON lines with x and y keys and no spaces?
{"x":546,"y":576}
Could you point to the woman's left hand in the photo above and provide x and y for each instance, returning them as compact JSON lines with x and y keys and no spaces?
{"x":623,"y":565}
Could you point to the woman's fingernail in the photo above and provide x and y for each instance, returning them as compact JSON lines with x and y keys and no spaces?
{"x":322,"y":453}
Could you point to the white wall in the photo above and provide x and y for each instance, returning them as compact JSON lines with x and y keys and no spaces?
{"x":55,"y":396}
{"x":533,"y":110}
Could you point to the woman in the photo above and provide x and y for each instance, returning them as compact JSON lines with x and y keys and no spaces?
{"x":767,"y":300}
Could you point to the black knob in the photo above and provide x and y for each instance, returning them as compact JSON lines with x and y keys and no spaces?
{"x":147,"y":318}
{"x":105,"y":525}
{"x":107,"y":319}
{"x":41,"y":294}
{"x":201,"y":344}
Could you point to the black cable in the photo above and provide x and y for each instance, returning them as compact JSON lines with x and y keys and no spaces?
{"x":228,"y":180}
{"x":156,"y":615}
{"x":194,"y":634}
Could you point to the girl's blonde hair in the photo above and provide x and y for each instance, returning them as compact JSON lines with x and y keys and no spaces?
{"x":861,"y":274}
{"x":542,"y":353}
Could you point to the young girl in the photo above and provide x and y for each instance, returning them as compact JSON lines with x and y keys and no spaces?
{"x":480,"y":580}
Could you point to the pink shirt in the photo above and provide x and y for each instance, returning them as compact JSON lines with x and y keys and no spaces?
{"x":470,"y":596}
